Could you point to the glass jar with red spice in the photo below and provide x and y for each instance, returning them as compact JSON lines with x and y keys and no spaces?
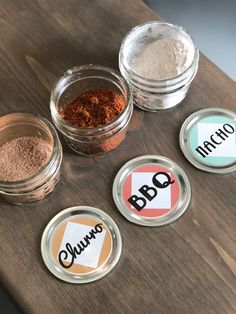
{"x":92,"y":105}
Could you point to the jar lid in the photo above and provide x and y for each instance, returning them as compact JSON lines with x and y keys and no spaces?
{"x":81,"y":244}
{"x":208,"y":140}
{"x":151,"y":190}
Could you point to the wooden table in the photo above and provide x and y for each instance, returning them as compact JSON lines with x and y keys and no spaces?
{"x":186,"y":267}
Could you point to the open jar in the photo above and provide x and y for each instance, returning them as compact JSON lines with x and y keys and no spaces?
{"x":149,"y":93}
{"x":39,"y":185}
{"x":93,"y":140}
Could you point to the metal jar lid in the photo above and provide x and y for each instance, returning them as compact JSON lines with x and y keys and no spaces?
{"x":151,"y":190}
{"x":208,"y":140}
{"x":81,"y":244}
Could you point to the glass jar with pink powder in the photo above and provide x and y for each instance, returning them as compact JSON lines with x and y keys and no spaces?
{"x":30,"y":157}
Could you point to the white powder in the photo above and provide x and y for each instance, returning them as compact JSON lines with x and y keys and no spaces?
{"x":162,"y":59}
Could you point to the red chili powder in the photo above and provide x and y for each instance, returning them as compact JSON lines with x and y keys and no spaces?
{"x":93,"y":108}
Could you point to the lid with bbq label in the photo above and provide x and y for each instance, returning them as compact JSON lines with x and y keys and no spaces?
{"x":81,"y":244}
{"x":151,"y":190}
{"x":208,"y":140}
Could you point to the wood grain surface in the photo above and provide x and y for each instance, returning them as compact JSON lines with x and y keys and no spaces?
{"x":186,"y":267}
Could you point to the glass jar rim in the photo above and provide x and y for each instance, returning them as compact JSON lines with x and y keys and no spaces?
{"x":172,"y":80}
{"x":74,"y":70}
{"x":34,"y":178}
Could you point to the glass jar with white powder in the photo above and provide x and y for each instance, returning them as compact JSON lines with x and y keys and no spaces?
{"x":159,"y":61}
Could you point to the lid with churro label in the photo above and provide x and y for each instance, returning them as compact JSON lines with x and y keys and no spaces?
{"x":151,"y":190}
{"x":81,"y":244}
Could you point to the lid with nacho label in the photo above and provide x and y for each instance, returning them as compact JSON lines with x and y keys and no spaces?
{"x":81,"y":244}
{"x":151,"y":190}
{"x":208,"y":140}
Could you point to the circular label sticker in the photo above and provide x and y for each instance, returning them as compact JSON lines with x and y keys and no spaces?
{"x":81,"y":245}
{"x":212,"y":140}
{"x":150,"y":191}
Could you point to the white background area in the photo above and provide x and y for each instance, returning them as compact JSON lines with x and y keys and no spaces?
{"x":75,"y":233}
{"x":226,"y":149}
{"x":163,"y":198}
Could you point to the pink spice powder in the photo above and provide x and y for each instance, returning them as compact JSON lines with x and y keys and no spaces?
{"x":23,"y":157}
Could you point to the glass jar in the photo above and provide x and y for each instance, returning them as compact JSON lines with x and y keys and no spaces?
{"x":151,"y":94}
{"x":91,"y":141}
{"x":15,"y":125}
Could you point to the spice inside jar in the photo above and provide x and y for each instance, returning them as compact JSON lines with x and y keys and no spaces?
{"x":163,"y":59}
{"x":23,"y":157}
{"x":30,"y":157}
{"x":93,"y":108}
{"x":159,"y":61}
